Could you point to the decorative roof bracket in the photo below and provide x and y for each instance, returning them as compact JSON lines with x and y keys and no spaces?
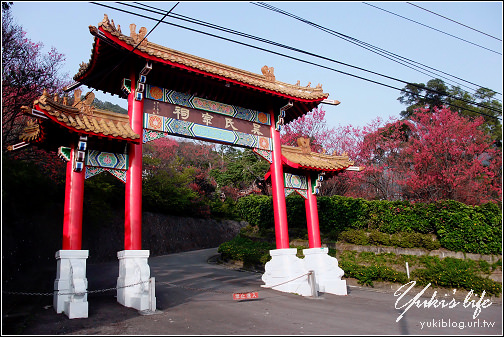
{"x":281,"y":115}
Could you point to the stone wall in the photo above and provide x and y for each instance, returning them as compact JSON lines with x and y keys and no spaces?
{"x":161,"y":234}
{"x":441,"y":253}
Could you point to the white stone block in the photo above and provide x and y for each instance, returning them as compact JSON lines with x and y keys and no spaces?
{"x":70,"y":286}
{"x":283,"y":272}
{"x":327,"y":272}
{"x":133,"y":280}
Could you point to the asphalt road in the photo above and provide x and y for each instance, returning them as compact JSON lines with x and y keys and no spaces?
{"x":194,"y":297}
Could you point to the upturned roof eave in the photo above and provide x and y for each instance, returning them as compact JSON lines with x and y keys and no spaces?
{"x":45,"y":105}
{"x":154,"y":52}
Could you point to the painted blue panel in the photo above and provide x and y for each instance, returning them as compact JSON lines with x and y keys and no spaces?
{"x":209,"y":132}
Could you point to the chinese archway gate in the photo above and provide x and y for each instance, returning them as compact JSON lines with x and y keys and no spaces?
{"x":173,"y":93}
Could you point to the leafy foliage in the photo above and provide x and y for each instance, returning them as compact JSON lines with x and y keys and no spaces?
{"x":26,"y":71}
{"x":455,"y":273}
{"x":458,"y":227}
{"x":399,"y":239}
{"x":244,"y":249}
{"x":435,"y":94}
{"x":450,"y":272}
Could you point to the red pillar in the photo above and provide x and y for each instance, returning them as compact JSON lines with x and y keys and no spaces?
{"x":312,"y":218}
{"x":133,"y":207}
{"x":74,"y":199}
{"x":277,"y":182}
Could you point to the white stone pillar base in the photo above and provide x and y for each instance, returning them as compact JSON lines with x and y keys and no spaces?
{"x":285,"y":266}
{"x":71,"y":280}
{"x":133,"y":269}
{"x":327,"y":272}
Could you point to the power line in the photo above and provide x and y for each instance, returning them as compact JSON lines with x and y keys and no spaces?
{"x":291,"y":57}
{"x":185,"y":18}
{"x":269,"y":51}
{"x":444,"y":17}
{"x":365,"y":45}
{"x":105,"y":74}
{"x":432,"y":28}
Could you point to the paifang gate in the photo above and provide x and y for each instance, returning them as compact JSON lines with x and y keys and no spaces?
{"x":173,"y":93}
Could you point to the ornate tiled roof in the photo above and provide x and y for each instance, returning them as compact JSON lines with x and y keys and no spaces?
{"x":294,"y":157}
{"x":81,"y":118}
{"x":154,"y":52}
{"x":302,"y":157}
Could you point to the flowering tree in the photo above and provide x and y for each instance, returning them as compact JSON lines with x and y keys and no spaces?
{"x":311,"y":125}
{"x":448,"y":156}
{"x":347,"y":139}
{"x":26,"y":71}
{"x":433,"y":156}
{"x":360,"y":145}
{"x":436,"y":154}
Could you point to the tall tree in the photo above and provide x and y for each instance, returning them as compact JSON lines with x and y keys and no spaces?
{"x":433,"y":156}
{"x":449,"y":157}
{"x":26,"y":71}
{"x":436,"y":94}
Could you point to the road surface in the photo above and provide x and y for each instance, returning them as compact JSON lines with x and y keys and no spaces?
{"x":195,"y":297}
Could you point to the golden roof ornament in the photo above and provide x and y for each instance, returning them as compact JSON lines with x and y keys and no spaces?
{"x":269,"y":73}
{"x":140,"y":37}
{"x":304,"y":144}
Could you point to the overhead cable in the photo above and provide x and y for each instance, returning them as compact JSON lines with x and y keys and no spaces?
{"x":444,"y":17}
{"x":295,"y":58}
{"x":185,"y":18}
{"x":370,"y":47}
{"x":107,"y":72}
{"x":493,"y":51}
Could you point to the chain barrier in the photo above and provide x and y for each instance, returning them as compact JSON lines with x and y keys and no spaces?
{"x":227,"y":292}
{"x":79,"y":293}
{"x":141,"y":282}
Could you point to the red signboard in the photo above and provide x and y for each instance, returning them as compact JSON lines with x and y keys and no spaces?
{"x":246,"y":296}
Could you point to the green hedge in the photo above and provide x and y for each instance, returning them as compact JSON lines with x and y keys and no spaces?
{"x":241,"y":248}
{"x":400,"y":239}
{"x":457,"y":227}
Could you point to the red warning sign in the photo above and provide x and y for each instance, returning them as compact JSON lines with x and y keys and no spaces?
{"x":245,"y":296}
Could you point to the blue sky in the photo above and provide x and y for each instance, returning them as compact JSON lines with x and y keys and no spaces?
{"x":64,"y":25}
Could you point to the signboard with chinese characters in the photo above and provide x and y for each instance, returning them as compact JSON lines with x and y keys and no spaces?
{"x":246,"y":296}
{"x":171,"y":112}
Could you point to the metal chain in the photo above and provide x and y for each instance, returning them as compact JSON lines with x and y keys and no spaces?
{"x":141,"y":282}
{"x":79,"y":294}
{"x":227,"y":292}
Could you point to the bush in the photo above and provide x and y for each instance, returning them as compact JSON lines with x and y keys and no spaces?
{"x":455,"y":273}
{"x":341,"y":213}
{"x":402,"y":239}
{"x":251,"y":252}
{"x":367,"y":274}
{"x":469,"y":229}
{"x":458,"y":227}
{"x":378,"y":238}
{"x":257,"y":210}
{"x":355,"y":236}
